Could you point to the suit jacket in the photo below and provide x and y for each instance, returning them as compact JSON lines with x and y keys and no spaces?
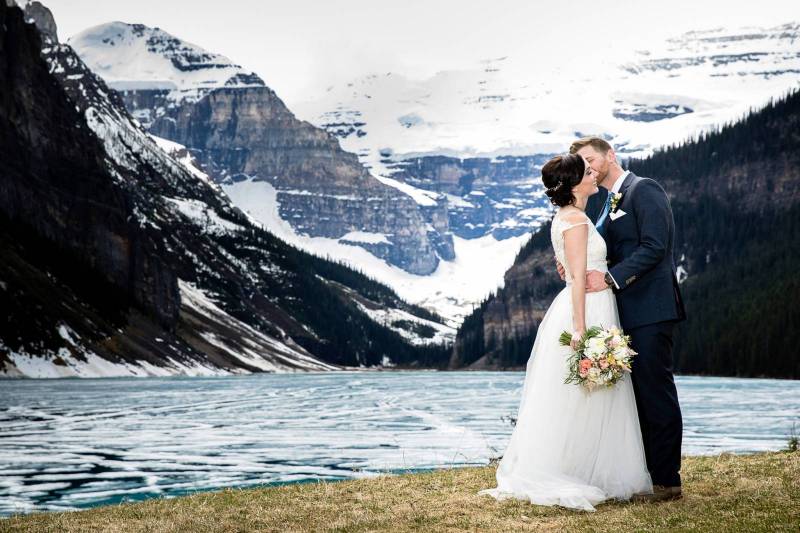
{"x":640,"y":252}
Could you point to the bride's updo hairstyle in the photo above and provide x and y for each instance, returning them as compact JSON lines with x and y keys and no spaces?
{"x":560,"y":175}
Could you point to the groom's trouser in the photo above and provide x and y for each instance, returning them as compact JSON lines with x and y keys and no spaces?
{"x":657,"y":401}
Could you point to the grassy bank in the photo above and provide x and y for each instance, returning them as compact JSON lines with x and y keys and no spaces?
{"x":725,"y":493}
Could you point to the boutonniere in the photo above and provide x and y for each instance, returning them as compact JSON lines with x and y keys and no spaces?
{"x":615,"y":200}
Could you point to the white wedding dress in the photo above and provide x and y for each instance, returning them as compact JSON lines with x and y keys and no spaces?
{"x":571,"y":447}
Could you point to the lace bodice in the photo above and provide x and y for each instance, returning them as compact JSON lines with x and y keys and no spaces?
{"x":596,"y":252}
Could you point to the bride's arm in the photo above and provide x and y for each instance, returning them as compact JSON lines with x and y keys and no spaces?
{"x":576,"y":238}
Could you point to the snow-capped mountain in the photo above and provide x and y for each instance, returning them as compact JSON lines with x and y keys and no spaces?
{"x":163,"y":71}
{"x":478,"y":136}
{"x":117,"y":258}
{"x":294,"y":178}
{"x":517,"y":106}
{"x":241,"y":131}
{"x":467,"y":145}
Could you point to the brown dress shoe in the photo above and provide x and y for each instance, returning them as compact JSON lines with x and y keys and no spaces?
{"x":660,"y":493}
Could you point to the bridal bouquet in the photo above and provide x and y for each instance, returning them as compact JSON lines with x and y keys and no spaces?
{"x":602,"y":357}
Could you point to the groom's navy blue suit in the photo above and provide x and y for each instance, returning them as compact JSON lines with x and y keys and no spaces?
{"x":640,"y":255}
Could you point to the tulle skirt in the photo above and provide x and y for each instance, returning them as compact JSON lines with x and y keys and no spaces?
{"x":571,"y":447}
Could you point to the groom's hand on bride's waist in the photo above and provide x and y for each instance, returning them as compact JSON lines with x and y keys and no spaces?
{"x":561,"y":272}
{"x":595,"y":281}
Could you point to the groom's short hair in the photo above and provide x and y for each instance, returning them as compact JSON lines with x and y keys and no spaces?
{"x":598,"y":143}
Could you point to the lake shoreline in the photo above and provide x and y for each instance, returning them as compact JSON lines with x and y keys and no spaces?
{"x":755,"y":492}
{"x":351,"y":370}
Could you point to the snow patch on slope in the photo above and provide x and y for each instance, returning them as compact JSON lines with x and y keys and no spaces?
{"x":253,"y":347}
{"x":203,"y":216}
{"x":366,"y":237}
{"x":451,"y":290}
{"x":400,"y":321}
{"x":74,"y":360}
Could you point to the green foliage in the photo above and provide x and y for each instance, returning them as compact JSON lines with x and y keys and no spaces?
{"x":573,"y":369}
{"x":767,"y":136}
{"x":742,"y":291}
{"x":794,"y":443}
{"x":565,"y":339}
{"x":422,"y":330}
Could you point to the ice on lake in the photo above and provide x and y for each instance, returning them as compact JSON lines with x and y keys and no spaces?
{"x":74,"y":443}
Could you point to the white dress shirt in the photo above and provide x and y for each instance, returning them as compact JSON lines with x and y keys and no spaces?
{"x":618,"y":184}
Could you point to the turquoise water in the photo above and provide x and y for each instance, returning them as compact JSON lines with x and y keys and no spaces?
{"x":75,"y":443}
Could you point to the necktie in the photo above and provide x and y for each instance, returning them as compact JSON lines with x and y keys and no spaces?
{"x":605,"y":212}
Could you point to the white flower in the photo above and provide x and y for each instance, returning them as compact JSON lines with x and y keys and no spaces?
{"x":595,"y":347}
{"x":594,"y":373}
{"x":620,"y":353}
{"x":615,"y":200}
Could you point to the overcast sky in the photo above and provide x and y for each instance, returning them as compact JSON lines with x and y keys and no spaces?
{"x":299,"y":47}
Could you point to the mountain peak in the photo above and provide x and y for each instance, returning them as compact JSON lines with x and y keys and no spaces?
{"x":136,"y":56}
{"x":37,"y":13}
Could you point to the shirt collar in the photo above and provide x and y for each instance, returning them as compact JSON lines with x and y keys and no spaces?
{"x":618,"y":184}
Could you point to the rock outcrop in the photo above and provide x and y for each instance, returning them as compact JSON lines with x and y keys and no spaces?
{"x":248,"y":133}
{"x":501,"y":196}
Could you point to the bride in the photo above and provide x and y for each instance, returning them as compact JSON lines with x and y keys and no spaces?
{"x":571,"y":447}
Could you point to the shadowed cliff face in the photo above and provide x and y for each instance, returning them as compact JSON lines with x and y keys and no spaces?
{"x":250,"y":131}
{"x":114,"y":258}
{"x":507,"y":320}
{"x":72,"y":252}
{"x":55,"y":183}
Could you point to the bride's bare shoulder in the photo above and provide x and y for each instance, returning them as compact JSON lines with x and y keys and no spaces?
{"x":571,"y":215}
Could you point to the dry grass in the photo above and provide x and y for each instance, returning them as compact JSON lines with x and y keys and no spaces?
{"x":724,"y":493}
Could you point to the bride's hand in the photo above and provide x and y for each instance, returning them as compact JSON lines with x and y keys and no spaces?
{"x":577,"y":335}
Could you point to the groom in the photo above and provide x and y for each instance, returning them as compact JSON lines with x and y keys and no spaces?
{"x":634,"y":217}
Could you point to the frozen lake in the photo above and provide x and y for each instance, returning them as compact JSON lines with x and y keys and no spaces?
{"x":74,"y":443}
